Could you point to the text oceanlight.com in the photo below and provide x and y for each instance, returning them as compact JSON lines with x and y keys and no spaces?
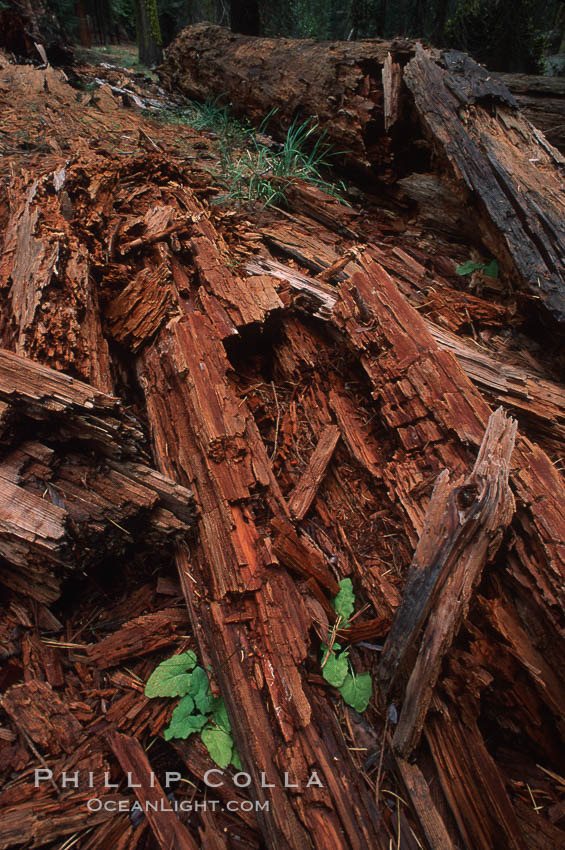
{"x":96,"y":804}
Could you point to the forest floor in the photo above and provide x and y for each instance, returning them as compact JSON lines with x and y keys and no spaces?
{"x":120,"y":55}
{"x":80,"y":656}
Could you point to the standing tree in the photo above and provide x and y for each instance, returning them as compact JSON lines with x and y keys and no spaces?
{"x":83,"y":28}
{"x":244,"y":17}
{"x":149,"y":41}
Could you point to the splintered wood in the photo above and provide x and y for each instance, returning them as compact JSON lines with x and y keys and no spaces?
{"x":210,"y":417}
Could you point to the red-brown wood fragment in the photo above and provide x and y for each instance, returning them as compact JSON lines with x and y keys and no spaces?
{"x":301,"y":498}
{"x":165,"y":825}
{"x":463,"y":528}
{"x":138,"y":311}
{"x":139,"y":636}
{"x":420,"y":796}
{"x":462,"y":760}
{"x":39,"y":711}
{"x":392,"y":81}
{"x":297,"y":556}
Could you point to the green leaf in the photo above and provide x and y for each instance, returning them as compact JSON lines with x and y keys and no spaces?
{"x":184,"y":724}
{"x":235,"y":760}
{"x":171,"y":678}
{"x":344,"y":602}
{"x":220,"y":716}
{"x":219,"y":744}
{"x":492,"y":269}
{"x":178,"y":723}
{"x":334,"y":670}
{"x":468,"y":268}
{"x":200,"y":690}
{"x":357,"y":690}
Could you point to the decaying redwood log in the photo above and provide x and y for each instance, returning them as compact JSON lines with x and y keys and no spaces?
{"x":486,"y":153}
{"x":206,"y":455}
{"x":339,"y":83}
{"x":510,"y":173}
{"x":538,"y":403}
{"x":236,"y":562}
{"x":542,"y":100}
{"x":412,"y":370}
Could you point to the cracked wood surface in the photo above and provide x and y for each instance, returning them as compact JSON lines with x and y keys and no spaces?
{"x":463,"y":529}
{"x":236,"y":384}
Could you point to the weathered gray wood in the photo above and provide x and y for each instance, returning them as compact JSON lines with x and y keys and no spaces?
{"x":511,"y":175}
{"x":463,"y":528}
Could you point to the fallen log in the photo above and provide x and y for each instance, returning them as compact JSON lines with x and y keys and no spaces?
{"x":466,"y":122}
{"x":340,"y":83}
{"x":423,"y":403}
{"x":239,"y":388}
{"x":542,"y":100}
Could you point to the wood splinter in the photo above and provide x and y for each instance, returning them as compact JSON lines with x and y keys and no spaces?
{"x":463,"y":529}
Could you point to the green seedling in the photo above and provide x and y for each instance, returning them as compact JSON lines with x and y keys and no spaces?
{"x":490,"y":269}
{"x":356,"y":690}
{"x":197,"y":710}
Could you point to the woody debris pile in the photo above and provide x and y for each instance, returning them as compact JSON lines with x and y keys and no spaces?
{"x":212,"y":414}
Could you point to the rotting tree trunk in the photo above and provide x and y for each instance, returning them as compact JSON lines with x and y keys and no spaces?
{"x":484,"y":151}
{"x":248,"y":616}
{"x":542,"y":100}
{"x":310,"y":422}
{"x":340,"y":83}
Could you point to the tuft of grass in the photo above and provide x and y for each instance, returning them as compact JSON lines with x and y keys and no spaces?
{"x":251,"y":168}
{"x":263,"y":173}
{"x":213,"y":118}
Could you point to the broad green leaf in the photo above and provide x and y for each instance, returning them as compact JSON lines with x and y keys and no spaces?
{"x":357,"y":690}
{"x":468,"y":268}
{"x":219,"y":744}
{"x":345,"y":600}
{"x":235,"y":760}
{"x":184,"y":724}
{"x":179,"y":717}
{"x":492,"y":269}
{"x":171,"y":678}
{"x":334,"y":670}
{"x":200,"y":690}
{"x":220,"y":716}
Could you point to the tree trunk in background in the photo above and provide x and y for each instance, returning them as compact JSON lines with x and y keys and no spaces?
{"x":440,"y":18}
{"x":24,"y":23}
{"x":83,"y":28}
{"x":221,"y":15}
{"x":417,"y":19}
{"x":102,"y":21}
{"x":381,"y":18}
{"x":244,"y":16}
{"x":149,"y":41}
